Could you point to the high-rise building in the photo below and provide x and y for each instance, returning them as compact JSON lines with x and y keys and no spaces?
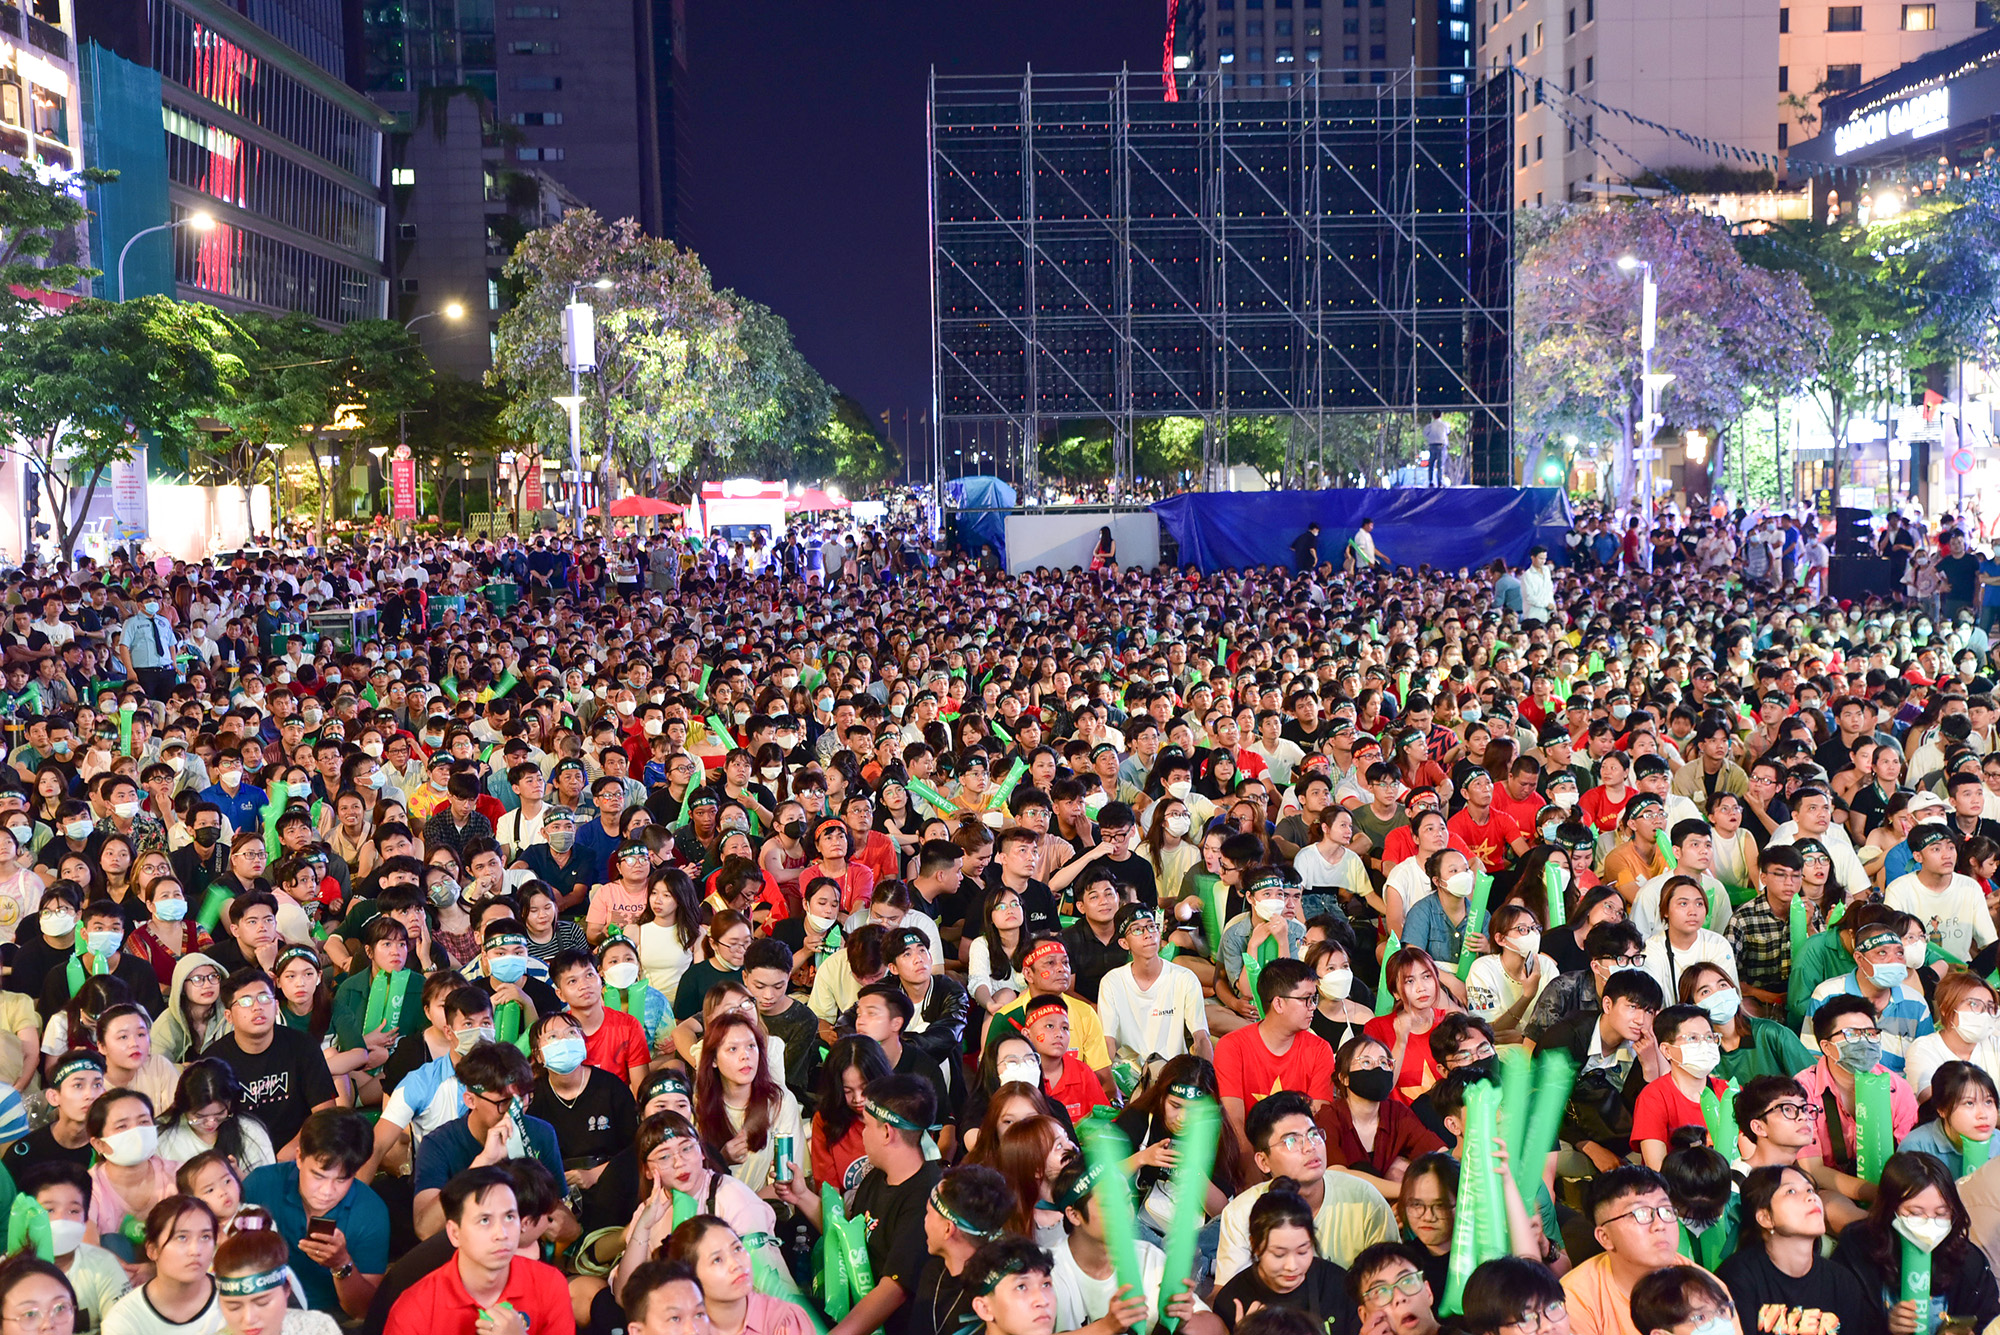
{"x":1259,"y":47}
{"x":38,"y":84}
{"x":508,"y":115}
{"x":1607,"y":95}
{"x":235,"y":111}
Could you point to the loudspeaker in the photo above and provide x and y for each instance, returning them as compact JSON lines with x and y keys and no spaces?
{"x":1853,"y":531}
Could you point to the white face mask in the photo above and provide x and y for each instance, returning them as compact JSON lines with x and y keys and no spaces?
{"x":1913,"y":954}
{"x":1973,"y":1028}
{"x":818,"y":924}
{"x":1177,"y":826}
{"x":1564,"y":798}
{"x":65,"y":1235}
{"x":1267,"y":909}
{"x":1525,"y":946}
{"x":133,"y":1146}
{"x":1021,"y":1070}
{"x":58,"y":923}
{"x":1459,"y":885}
{"x":1180,"y":789}
{"x":622,"y":974}
{"x":1923,"y":1233}
{"x":1336,"y":984}
{"x":1700,"y":1057}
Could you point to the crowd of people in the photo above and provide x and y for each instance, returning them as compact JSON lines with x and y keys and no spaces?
{"x":558,"y":952}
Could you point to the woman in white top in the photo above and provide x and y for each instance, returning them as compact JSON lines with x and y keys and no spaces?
{"x":1409,"y":882}
{"x":181,"y":1298}
{"x":1683,"y":941}
{"x":1328,"y":863}
{"x":667,"y":930}
{"x":207,"y":1114}
{"x":1172,"y":854}
{"x":1734,"y":859}
{"x":1502,"y":987}
{"x":1965,"y":1006}
{"x":991,"y":976}
{"x":20,"y":888}
{"x":255,"y":1284}
{"x":738,"y":1107}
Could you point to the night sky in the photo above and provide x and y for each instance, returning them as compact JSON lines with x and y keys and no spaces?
{"x":804,"y":156}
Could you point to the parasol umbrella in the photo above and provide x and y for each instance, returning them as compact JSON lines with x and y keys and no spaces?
{"x":628,"y":507}
{"x":813,"y":499}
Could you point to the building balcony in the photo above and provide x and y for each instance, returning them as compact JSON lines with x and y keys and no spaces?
{"x":48,"y":37}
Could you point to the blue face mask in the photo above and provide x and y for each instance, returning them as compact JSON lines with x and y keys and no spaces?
{"x":562,"y":1055}
{"x":170,"y":910}
{"x":507,"y":968}
{"x":1889,"y":975}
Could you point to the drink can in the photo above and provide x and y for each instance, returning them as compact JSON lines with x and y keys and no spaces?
{"x":783,"y":1155}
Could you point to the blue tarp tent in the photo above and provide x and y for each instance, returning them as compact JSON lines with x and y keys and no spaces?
{"x":981,"y":501}
{"x":1446,"y":527}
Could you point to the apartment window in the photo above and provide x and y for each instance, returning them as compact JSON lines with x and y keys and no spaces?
{"x":536,"y":118}
{"x":1570,"y":86}
{"x":1377,"y":76}
{"x":1313,"y":27}
{"x":1255,"y":55}
{"x":1982,"y":14}
{"x":1843,"y":78}
{"x":1590,"y":69}
{"x":1919,"y":18}
{"x":1377,"y":25}
{"x":1538,"y":199}
{"x":1590,"y":11}
{"x":1378,"y":52}
{"x":1538,"y":37}
{"x":492,"y":294}
{"x":1524,"y":157}
{"x":1226,"y":56}
{"x":1538,"y":92}
{"x":534,"y":48}
{"x":538,"y":83}
{"x":1256,"y":81}
{"x":1538,"y":148}
{"x":1229,"y":81}
{"x":1784,"y":78}
{"x":403,"y":176}
{"x":1350,"y":27}
{"x":1784,"y":135}
{"x":1350,"y":53}
{"x":1482,"y":34}
{"x":1312,"y":55}
{"x":1352,"y":76}
{"x":1225,"y":30}
{"x":1284,"y":27}
{"x":534,"y":12}
{"x":1784,"y":20}
{"x":406,"y":231}
{"x":1225,"y":4}
{"x":1572,"y":20}
{"x":1460,"y":30}
{"x":1496,"y":11}
{"x":1571,"y":145}
{"x":1843,"y":18}
{"x":1284,"y":81}
{"x":1254,"y":28}
{"x":408,"y":286}
{"x":1284,"y":55}
{"x":1589,"y":128}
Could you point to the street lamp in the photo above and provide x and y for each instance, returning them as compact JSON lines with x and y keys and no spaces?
{"x":451,"y":310}
{"x":277,"y":450}
{"x":200,"y":221}
{"x":1643,"y":450}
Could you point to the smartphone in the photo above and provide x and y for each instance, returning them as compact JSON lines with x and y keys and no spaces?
{"x":321,"y":1228}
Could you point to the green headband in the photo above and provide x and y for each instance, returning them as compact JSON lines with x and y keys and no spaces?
{"x":87,"y":1062}
{"x":1013,"y":1265}
{"x":1080,"y":1189}
{"x":952,"y":1217}
{"x":290,"y":953}
{"x":242,"y":1286}
{"x":507,"y":939}
{"x":882,"y":1113}
{"x":1180,"y":1091}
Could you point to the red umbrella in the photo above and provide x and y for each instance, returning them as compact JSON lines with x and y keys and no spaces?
{"x":629,"y":507}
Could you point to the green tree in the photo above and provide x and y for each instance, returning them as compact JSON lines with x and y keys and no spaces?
{"x":80,"y":389}
{"x":37,"y":219}
{"x":667,"y":344}
{"x":780,"y":407}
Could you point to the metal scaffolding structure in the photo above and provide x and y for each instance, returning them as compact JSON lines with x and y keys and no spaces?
{"x":1099,"y":254}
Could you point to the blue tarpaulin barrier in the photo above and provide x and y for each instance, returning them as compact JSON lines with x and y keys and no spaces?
{"x":1445,"y":527}
{"x":982,"y":503}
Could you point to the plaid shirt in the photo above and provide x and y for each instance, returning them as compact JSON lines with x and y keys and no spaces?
{"x":1763,"y":945}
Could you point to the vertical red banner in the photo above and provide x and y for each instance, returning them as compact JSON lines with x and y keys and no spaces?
{"x":532,"y":498}
{"x":403,"y":485}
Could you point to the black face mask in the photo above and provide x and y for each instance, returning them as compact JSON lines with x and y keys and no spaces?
{"x":1486,"y":1068}
{"x":1373,"y":1084}
{"x":206,"y":838}
{"x":795,"y":829}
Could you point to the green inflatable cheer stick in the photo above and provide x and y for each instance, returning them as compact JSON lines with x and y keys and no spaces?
{"x":835,"y":1293}
{"x":1517,"y":1100}
{"x":1555,"y":1075}
{"x":1384,"y":1003}
{"x":1555,"y":879}
{"x":1666,"y":847}
{"x":998,"y":802}
{"x":1481,"y":1231}
{"x":1107,"y":1149}
{"x":1874,"y":1128}
{"x":1798,"y":919}
{"x":1475,"y":917}
{"x":1974,"y":1153}
{"x":1720,"y":1116}
{"x":701,"y":687}
{"x":720,"y":729}
{"x":1194,"y":1159}
{"x":125,"y":712}
{"x":1917,"y":1281}
{"x":925,"y":791}
{"x":28,"y":1224}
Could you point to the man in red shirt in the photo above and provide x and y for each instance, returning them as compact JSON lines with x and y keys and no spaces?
{"x":1064,"y":1076}
{"x":1279,"y":1052}
{"x":1490,"y":834}
{"x":1687,"y":1040}
{"x":485,"y":1289}
{"x":612,"y":1040}
{"x":1517,"y":799}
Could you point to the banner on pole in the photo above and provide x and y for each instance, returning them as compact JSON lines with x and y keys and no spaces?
{"x":128,"y":499}
{"x":532,"y":497}
{"x":403,"y":484}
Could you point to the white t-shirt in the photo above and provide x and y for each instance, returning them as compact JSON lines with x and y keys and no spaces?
{"x":981,"y":970}
{"x":1160,"y":1021}
{"x":1645,"y":913}
{"x":1490,"y":989}
{"x":1667,"y":963}
{"x":1926,"y":1054}
{"x":1081,"y":1299}
{"x":134,"y":1314}
{"x":179,"y":1143}
{"x":1316,"y":873}
{"x":518,"y":831}
{"x":662,"y":957}
{"x":1409,"y":882}
{"x":1955,"y":917}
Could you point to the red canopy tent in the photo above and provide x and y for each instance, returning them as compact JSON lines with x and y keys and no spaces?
{"x":813,"y":499}
{"x":631,"y":507}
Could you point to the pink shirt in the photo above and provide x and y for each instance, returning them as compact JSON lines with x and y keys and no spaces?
{"x":613,"y":902}
{"x":108,"y":1209}
{"x":1902,"y":1108}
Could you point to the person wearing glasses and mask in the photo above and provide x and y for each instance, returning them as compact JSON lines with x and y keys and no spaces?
{"x":1850,"y":1044}
{"x":1634,"y":1222}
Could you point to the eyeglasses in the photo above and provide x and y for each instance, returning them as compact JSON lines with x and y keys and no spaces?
{"x":1857,"y":1035}
{"x":208,"y":976}
{"x":252,"y":1002}
{"x":1533,"y":1320}
{"x":1643,"y":1215}
{"x":1428,"y":1209}
{"x":35,"y":1318}
{"x":1296,"y":1141}
{"x":1630,"y":959}
{"x":1410,"y":1283}
{"x":1793,"y":1112}
{"x":1459,"y":1059}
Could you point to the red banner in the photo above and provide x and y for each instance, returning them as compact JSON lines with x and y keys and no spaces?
{"x":403,"y":485}
{"x":532,"y":498}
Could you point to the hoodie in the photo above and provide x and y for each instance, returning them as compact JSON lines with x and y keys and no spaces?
{"x":173,"y":1037}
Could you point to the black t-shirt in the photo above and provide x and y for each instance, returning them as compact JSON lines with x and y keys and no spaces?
{"x":1091,"y":958}
{"x":1038,"y":906}
{"x":282,"y":1084}
{"x":1827,"y":1297}
{"x":406,"y":1057}
{"x":896,"y":1246}
{"x":700,"y":976}
{"x":1136,"y":874}
{"x":1961,"y":576}
{"x":799,"y":1027}
{"x":41,"y":1146}
{"x":1561,"y":946}
{"x":1322,"y":1296}
{"x":132,"y":970}
{"x":601,"y":1120}
{"x":941,"y":1302}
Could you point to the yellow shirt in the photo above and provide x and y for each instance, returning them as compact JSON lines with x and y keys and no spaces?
{"x":1086,"y":1031}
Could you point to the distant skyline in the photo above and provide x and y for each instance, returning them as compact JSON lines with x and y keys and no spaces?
{"x":804,"y":156}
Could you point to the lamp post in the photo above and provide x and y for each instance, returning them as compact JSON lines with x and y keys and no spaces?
{"x":1644,"y":452}
{"x":201,"y":222}
{"x":277,"y":450}
{"x":451,"y":310}
{"x":579,"y":347}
